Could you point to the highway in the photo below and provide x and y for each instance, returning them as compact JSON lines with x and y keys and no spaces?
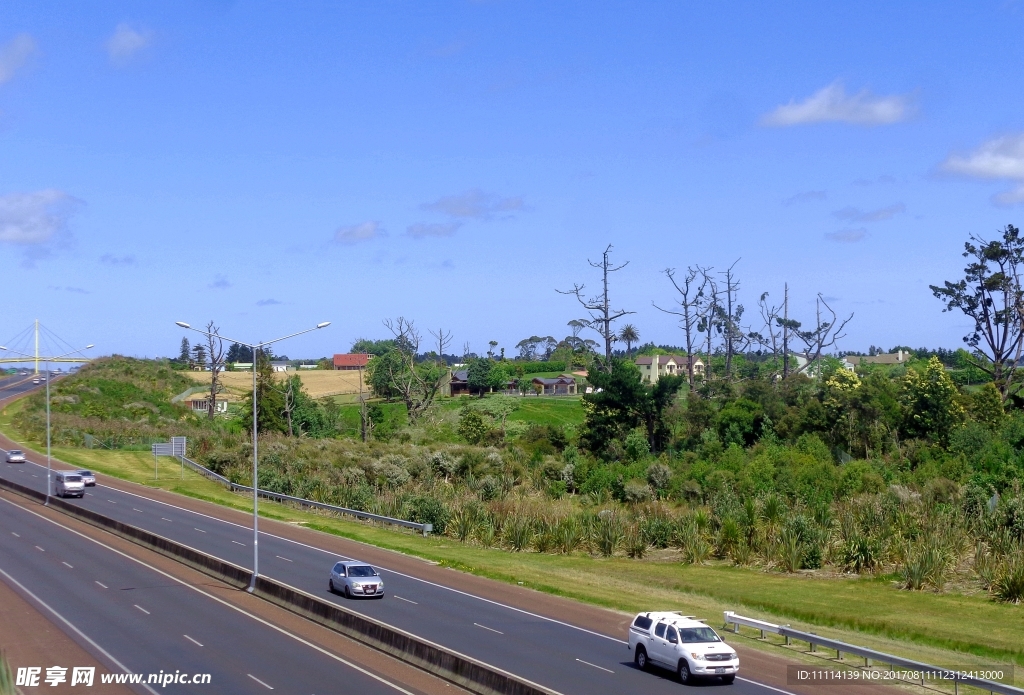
{"x":555,"y":654}
{"x":139,"y":619}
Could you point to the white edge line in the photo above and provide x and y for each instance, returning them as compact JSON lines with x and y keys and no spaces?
{"x":770,"y":687}
{"x":209,"y":596}
{"x":67,"y":622}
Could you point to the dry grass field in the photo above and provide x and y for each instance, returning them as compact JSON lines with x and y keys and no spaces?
{"x":318,"y":383}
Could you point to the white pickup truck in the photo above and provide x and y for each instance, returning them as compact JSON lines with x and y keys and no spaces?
{"x":681,"y":643}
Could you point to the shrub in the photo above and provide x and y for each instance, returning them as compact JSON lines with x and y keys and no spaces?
{"x":1009,"y":585}
{"x":636,"y":445}
{"x":636,"y":491}
{"x":429,"y":510}
{"x":518,"y":533}
{"x":608,"y":534}
{"x":658,"y":476}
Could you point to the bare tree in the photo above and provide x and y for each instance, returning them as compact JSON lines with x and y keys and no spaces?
{"x":824,"y":335}
{"x":599,"y":308}
{"x":707,"y":313}
{"x":416,"y":384}
{"x":691,"y":300}
{"x":730,"y":312}
{"x":215,"y":349}
{"x":289,"y":405}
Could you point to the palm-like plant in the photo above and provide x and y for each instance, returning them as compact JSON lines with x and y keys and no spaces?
{"x":629,"y":335}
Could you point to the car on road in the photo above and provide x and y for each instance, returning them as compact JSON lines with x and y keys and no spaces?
{"x":88,"y":477}
{"x":683,"y":644}
{"x":68,"y":484}
{"x":35,"y":381}
{"x":355,"y":579}
{"x":15,"y":456}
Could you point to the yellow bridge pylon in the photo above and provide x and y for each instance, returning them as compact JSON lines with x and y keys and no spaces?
{"x":35,"y":357}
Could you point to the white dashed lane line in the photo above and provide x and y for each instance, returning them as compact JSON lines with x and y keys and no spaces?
{"x":137,"y":510}
{"x":404,"y":599}
{"x":40,"y":549}
{"x":595,"y":665}
{"x":193,"y":641}
{"x":237,"y":543}
{"x":15,"y":534}
{"x":102,"y":585}
{"x":141,"y":609}
{"x":64,"y":563}
{"x":199,"y":529}
{"x":268,"y":687}
{"x":489,"y":628}
{"x":165,"y":518}
{"x":280,"y":557}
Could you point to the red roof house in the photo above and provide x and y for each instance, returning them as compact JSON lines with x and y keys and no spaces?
{"x":357,"y":360}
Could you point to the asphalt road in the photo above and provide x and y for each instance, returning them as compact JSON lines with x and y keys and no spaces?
{"x":558,"y":655}
{"x":146,"y":621}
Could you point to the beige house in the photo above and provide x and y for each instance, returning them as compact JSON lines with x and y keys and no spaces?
{"x":898,"y":357}
{"x":656,"y":366}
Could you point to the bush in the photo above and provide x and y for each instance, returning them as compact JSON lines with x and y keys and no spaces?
{"x":1009,"y":585}
{"x":659,"y":475}
{"x":428,"y":510}
{"x":636,"y":491}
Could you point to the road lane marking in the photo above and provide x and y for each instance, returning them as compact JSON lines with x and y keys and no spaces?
{"x":282,"y":558}
{"x":165,"y":518}
{"x":199,"y":529}
{"x":404,"y":599}
{"x":40,"y":549}
{"x":268,"y":687}
{"x":15,"y":535}
{"x":112,"y":501}
{"x":196,"y":589}
{"x":137,"y":510}
{"x":64,"y":563}
{"x":237,"y":543}
{"x":67,"y":622}
{"x":595,"y":665}
{"x":141,"y":609}
{"x":193,"y":640}
{"x":778,"y":690}
{"x":102,"y":585}
{"x":489,"y":628}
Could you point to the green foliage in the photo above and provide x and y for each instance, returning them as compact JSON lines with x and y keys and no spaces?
{"x":523,"y":367}
{"x":932,"y":402}
{"x":380,"y":371}
{"x":472,"y":427}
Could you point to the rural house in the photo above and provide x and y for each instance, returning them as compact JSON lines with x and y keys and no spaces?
{"x":351,"y":361}
{"x":898,"y":357}
{"x":652,"y":367}
{"x":200,"y":403}
{"x":564,"y":385}
{"x":278,"y":366}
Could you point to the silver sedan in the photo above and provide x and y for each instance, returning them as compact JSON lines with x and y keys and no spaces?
{"x":355,"y":579}
{"x":15,"y":456}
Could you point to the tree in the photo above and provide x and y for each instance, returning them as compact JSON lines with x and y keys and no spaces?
{"x":372,"y":347}
{"x":183,"y":357}
{"x":199,"y":354}
{"x":629,"y":335}
{"x":379,"y":373}
{"x":215,"y":348}
{"x":990,"y":294}
{"x":239,"y":353}
{"x":490,"y":349}
{"x":825,"y":334}
{"x":416,"y":384}
{"x":621,"y":402}
{"x":932,"y":401}
{"x":599,"y":308}
{"x":729,"y":314}
{"x":478,"y":376}
{"x":270,"y":404}
{"x":499,"y":407}
{"x":692,"y":300}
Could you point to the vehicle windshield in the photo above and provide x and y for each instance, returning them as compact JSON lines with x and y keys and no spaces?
{"x":72,"y":479}
{"x":361,"y":571}
{"x":85,"y":472}
{"x":691,"y":635}
{"x":15,"y":452}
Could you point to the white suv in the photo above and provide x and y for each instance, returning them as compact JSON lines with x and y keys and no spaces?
{"x":683,"y":644}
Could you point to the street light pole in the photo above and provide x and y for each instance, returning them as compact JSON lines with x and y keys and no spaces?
{"x":255,"y":436}
{"x":49,"y":459}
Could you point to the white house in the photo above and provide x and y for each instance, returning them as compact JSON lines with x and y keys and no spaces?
{"x":656,"y":366}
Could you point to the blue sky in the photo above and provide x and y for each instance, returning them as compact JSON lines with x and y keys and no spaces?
{"x":272,"y":165}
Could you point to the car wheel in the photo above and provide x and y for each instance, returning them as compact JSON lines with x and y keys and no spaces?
{"x":348,"y":594}
{"x":330,"y":584}
{"x":640,"y":658}
{"x":683,"y":671}
{"x":728,"y":679}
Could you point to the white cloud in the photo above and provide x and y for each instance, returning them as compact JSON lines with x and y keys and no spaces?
{"x":476,"y":204}
{"x":422,"y":230}
{"x":220,"y":283}
{"x":36,"y":218}
{"x":857,"y":215}
{"x":356,"y":233}
{"x":111,"y":259}
{"x":847,"y":236}
{"x":833,"y":104}
{"x":126,"y":42}
{"x":999,"y":158}
{"x":805,"y":197}
{"x":14,"y":54}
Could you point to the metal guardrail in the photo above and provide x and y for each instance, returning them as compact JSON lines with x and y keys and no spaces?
{"x":425,"y":529}
{"x":868,"y":655}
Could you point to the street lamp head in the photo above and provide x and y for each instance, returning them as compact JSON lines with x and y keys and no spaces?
{"x":2,"y":347}
{"x":183,"y":324}
{"x":325,"y":324}
{"x":88,"y":347}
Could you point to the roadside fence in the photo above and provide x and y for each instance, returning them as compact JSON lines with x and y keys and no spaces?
{"x":941,"y":674}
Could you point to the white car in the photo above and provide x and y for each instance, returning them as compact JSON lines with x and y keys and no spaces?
{"x":88,"y":477}
{"x":683,"y":644}
{"x":15,"y":456}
